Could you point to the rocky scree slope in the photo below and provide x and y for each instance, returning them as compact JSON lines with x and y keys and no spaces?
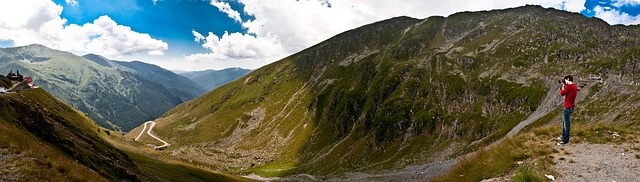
{"x":398,"y":92}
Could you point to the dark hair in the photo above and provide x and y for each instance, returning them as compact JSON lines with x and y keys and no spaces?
{"x":568,"y":77}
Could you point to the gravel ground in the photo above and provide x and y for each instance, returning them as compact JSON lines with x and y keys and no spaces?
{"x":410,"y":173}
{"x":598,"y":162}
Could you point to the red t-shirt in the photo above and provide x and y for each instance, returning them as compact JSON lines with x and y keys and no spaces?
{"x":570,"y":92}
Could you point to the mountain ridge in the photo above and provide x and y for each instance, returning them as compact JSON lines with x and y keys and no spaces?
{"x":178,"y":85}
{"x":398,"y":92}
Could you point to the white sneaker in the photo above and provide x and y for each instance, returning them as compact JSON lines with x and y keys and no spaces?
{"x":561,"y":143}
{"x":559,"y":138}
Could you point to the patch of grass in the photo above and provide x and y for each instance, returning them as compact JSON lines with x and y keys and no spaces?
{"x":637,"y":156}
{"x":274,"y":169}
{"x":488,"y":163}
{"x":526,"y":174}
{"x":591,"y":133}
{"x":601,"y":133}
{"x":501,"y":159}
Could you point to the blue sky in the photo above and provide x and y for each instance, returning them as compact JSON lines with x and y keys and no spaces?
{"x":215,"y":34}
{"x":170,"y":20}
{"x":629,"y":7}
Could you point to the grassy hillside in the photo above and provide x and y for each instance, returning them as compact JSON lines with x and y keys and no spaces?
{"x":5,"y":82}
{"x":47,"y":140}
{"x":399,"y":92}
{"x":43,"y":139}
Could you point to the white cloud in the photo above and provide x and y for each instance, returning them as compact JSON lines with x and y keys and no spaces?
{"x":613,"y":16}
{"x":292,"y":25}
{"x":72,"y":2}
{"x":38,"y":21}
{"x":620,"y":3}
{"x":226,"y":8}
{"x":237,"y":46}
{"x":199,"y":37}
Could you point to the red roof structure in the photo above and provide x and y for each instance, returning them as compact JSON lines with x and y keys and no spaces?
{"x":28,"y":80}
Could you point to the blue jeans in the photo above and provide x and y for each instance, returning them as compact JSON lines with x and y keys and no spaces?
{"x":566,"y":124}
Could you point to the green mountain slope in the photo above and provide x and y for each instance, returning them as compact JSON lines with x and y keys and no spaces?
{"x":43,"y":139}
{"x":211,"y":79}
{"x":398,"y":92}
{"x":112,"y":97}
{"x":178,"y":85}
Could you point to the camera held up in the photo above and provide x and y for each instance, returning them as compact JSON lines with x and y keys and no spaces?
{"x":562,"y":81}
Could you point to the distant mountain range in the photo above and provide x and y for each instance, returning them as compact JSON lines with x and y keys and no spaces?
{"x":117,"y":95}
{"x":211,"y":79}
{"x":179,"y":86}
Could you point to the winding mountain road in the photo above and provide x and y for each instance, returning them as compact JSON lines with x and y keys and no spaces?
{"x":153,"y":123}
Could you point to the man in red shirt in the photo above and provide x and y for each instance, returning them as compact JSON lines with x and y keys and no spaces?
{"x":569,"y":91}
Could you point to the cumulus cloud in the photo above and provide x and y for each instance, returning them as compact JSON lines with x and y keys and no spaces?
{"x":226,"y":8}
{"x":199,"y":37}
{"x":237,"y":46}
{"x":292,"y":25}
{"x":38,"y":21}
{"x":613,"y":16}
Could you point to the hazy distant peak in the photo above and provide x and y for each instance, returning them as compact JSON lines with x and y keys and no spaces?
{"x":34,"y":47}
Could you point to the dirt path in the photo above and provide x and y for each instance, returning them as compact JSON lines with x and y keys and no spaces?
{"x":141,"y":132}
{"x":598,"y":162}
{"x":550,"y":102}
{"x":153,"y":124}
